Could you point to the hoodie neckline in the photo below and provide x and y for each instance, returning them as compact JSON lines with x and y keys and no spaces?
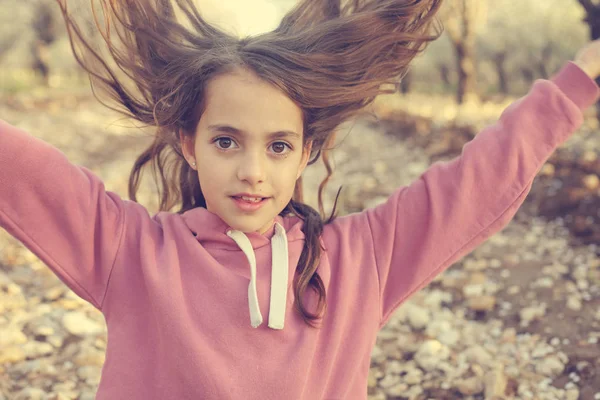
{"x":211,"y":231}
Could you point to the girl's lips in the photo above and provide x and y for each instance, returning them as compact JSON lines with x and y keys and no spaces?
{"x":248,"y":205}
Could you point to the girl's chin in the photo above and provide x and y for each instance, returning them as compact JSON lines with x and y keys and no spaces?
{"x":253,"y":227}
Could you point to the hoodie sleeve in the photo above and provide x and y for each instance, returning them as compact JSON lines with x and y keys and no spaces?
{"x":60,"y":212}
{"x":456,"y":205}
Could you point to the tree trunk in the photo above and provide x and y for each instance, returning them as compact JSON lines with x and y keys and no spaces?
{"x":594,"y":24}
{"x":44,"y":28}
{"x":406,"y":83}
{"x":39,"y":51}
{"x":592,"y":19}
{"x":499,"y":63}
{"x":542,"y":65}
{"x":445,"y":75}
{"x":527,"y":75}
{"x":466,"y":72}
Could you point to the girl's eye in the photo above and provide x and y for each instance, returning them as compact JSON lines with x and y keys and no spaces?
{"x":279,"y":147}
{"x":224,"y":142}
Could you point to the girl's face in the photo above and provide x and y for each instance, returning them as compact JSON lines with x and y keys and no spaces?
{"x":248,"y":140}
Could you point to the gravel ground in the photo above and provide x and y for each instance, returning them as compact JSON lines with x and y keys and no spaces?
{"x":518,"y":318}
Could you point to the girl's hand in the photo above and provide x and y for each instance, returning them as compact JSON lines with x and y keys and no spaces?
{"x":588,"y":59}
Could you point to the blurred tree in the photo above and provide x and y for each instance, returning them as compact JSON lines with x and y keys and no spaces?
{"x":592,"y":9}
{"x":7,"y":43}
{"x":44,"y":27}
{"x":592,"y":19}
{"x":462,"y":20}
{"x":406,"y":82}
{"x":518,"y":56}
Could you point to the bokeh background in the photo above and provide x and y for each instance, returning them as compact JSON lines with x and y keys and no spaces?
{"x":519,"y":318}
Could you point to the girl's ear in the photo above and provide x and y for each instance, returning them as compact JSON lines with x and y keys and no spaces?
{"x":187,"y":146}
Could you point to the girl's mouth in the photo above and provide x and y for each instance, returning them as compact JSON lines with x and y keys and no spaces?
{"x":249,"y":204}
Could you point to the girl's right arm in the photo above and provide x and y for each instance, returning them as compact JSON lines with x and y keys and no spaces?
{"x":60,"y":212}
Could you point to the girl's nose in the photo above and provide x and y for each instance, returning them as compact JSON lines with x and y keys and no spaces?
{"x":252,"y":169}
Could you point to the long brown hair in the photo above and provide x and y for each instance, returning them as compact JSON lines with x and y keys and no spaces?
{"x":331,"y":57}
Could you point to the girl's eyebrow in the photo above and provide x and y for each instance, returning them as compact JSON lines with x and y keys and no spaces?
{"x":240,"y":132}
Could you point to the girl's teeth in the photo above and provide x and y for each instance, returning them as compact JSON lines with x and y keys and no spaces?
{"x":251,"y":199}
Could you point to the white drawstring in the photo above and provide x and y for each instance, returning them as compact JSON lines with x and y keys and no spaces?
{"x":279,"y":277}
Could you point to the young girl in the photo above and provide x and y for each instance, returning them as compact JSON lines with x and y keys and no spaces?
{"x":244,"y":292}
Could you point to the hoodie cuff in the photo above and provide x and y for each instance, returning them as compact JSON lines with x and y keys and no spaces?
{"x":577,"y":85}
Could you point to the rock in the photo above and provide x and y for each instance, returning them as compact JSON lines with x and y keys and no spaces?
{"x":414,"y":376}
{"x":478,"y":355}
{"x":430,"y":354}
{"x":377,"y":355}
{"x":443,"y":331}
{"x":55,"y":293}
{"x":89,"y":374}
{"x":470,"y":386}
{"x":77,"y":323}
{"x":372,"y":382}
{"x":482,"y":303}
{"x":509,"y":335}
{"x":529,"y":314}
{"x":89,"y":356}
{"x":418,"y":317}
{"x":550,"y":366}
{"x":435,"y":298}
{"x":572,"y":394}
{"x":473,"y":290}
{"x":31,"y":394}
{"x":389,"y":380}
{"x":574,"y":303}
{"x":11,"y":354}
{"x":397,"y":390}
{"x":11,"y":335}
{"x":37,"y":349}
{"x":591,"y":182}
{"x":495,"y":382}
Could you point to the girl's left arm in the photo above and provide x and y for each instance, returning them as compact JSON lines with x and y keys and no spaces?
{"x":454,"y":206}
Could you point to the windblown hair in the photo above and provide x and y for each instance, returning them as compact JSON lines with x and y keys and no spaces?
{"x":331,"y":57}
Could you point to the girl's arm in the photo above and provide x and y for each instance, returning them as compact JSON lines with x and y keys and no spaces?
{"x":454,"y":206}
{"x":59,"y":211}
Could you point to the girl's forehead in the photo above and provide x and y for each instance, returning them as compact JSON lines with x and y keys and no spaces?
{"x":243,"y":98}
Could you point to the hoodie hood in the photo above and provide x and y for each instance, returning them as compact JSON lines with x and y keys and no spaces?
{"x":212,"y":232}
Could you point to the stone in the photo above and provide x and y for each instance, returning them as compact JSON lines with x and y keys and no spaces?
{"x":482,"y":303}
{"x":495,"y":382}
{"x":418,"y":317}
{"x":477,"y":354}
{"x":550,"y":366}
{"x":31,"y":394}
{"x":11,"y":335}
{"x":529,"y":314}
{"x":431,"y":353}
{"x":77,"y":323}
{"x":11,"y":354}
{"x":470,"y":386}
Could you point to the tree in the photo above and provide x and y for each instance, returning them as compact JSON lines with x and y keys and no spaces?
{"x":462,"y":21}
{"x":44,"y":28}
{"x":592,"y":10}
{"x":528,"y":39}
{"x":592,"y":19}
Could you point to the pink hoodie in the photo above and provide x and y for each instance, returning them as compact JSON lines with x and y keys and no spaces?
{"x":179,"y":294}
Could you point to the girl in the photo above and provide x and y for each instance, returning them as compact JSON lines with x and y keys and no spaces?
{"x":244,"y":292}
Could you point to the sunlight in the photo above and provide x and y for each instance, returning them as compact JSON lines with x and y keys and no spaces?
{"x":243,"y":17}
